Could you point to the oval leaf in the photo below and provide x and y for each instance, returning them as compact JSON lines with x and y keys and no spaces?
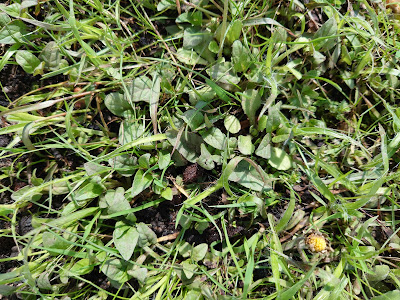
{"x":125,"y":239}
{"x":279,"y":159}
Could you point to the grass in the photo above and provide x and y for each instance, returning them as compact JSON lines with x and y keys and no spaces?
{"x":187,"y":149}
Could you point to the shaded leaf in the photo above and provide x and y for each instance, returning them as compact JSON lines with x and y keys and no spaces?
{"x":116,"y":269}
{"x":245,"y":145}
{"x":117,"y":104}
{"x":241,"y":57}
{"x":139,"y":274}
{"x":264,"y":149}
{"x":224,"y":73}
{"x":251,"y":102}
{"x":124,"y":164}
{"x":188,"y":144}
{"x":192,"y":36}
{"x":327,"y":30}
{"x":248,"y":176}
{"x":199,"y":252}
{"x":146,"y":235}
{"x":279,"y":159}
{"x":141,"y":182}
{"x":27,"y":61}
{"x":205,"y":160}
{"x":125,"y":238}
{"x":115,"y":201}
{"x":215,"y":138}
{"x":190,"y":57}
{"x":14,"y":32}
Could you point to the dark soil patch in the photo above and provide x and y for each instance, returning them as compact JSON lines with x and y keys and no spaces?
{"x":15,"y":83}
{"x":7,"y":245}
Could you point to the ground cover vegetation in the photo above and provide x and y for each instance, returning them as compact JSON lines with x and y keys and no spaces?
{"x":199,"y":149}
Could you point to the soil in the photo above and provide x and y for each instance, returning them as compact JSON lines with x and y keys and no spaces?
{"x":15,"y":83}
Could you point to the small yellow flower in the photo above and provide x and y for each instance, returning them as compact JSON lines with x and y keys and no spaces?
{"x":316,"y":242}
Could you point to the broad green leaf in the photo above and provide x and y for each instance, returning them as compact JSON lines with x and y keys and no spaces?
{"x":6,"y":209}
{"x":13,"y":10}
{"x":185,"y":249}
{"x":53,"y":241}
{"x":14,"y":32}
{"x":28,"y":3}
{"x":141,"y":182}
{"x":125,"y":238}
{"x":251,"y":102}
{"x":117,"y":104}
{"x":194,"y":117}
{"x":234,"y":30}
{"x":380,"y":272}
{"x":194,"y":295}
{"x":114,"y":73}
{"x":146,"y":235}
{"x":192,"y":36}
{"x":140,"y":274}
{"x":215,"y":138}
{"x":27,"y":61}
{"x":188,"y":268}
{"x":241,"y":57}
{"x":25,"y":195}
{"x":188,"y":144}
{"x":248,"y":176}
{"x":245,"y":145}
{"x":192,"y":17}
{"x":166,"y":4}
{"x":205,"y":160}
{"x":164,"y":158}
{"x":199,"y":252}
{"x":141,"y":89}
{"x":264,"y":149}
{"x":205,"y":94}
{"x":4,"y":19}
{"x":89,"y":191}
{"x":115,"y":201}
{"x":124,"y":164}
{"x":279,"y":159}
{"x":224,"y":73}
{"x":392,"y":295}
{"x":116,"y":270}
{"x":190,"y":57}
{"x":167,"y":193}
{"x":144,"y":161}
{"x":43,"y":281}
{"x":81,"y":267}
{"x":325,"y":33}
{"x":8,"y":290}
{"x":51,"y":56}
{"x":273,"y":121}
{"x":131,"y":131}
{"x":213,"y":47}
{"x":93,"y":168}
{"x":232,"y":124}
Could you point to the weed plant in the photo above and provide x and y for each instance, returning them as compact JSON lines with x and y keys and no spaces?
{"x":199,"y":149}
